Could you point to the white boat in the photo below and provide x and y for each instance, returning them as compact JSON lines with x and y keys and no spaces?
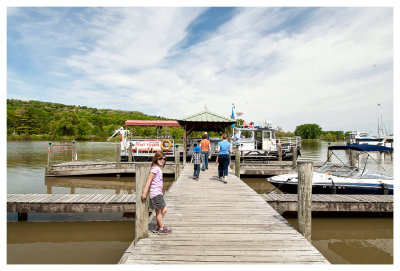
{"x":364,"y":138}
{"x":260,"y":140}
{"x":331,"y":178}
{"x":144,"y":149}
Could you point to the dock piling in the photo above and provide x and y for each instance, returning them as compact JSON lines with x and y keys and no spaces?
{"x":50,"y":157}
{"x":280,"y":153}
{"x":353,"y":158}
{"x":329,"y":155}
{"x":73,"y":153}
{"x":294,"y":156}
{"x":177,"y":161}
{"x":22,"y":216}
{"x":304,"y":192}
{"x":118,"y":161}
{"x":237,"y":163}
{"x":130,"y":153}
{"x":142,"y":206}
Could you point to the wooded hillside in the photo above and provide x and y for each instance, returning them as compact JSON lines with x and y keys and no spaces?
{"x":45,"y":120}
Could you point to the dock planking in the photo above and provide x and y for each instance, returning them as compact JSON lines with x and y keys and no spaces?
{"x":334,"y":203}
{"x":217,"y":223}
{"x":28,"y":203}
{"x":67,"y":203}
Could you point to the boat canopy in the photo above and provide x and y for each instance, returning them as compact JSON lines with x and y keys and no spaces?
{"x":361,"y":147}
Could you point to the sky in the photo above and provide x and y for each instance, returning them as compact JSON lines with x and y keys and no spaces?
{"x":289,"y":65}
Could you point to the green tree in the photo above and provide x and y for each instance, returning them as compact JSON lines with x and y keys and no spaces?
{"x":308,"y":131}
{"x":280,"y":133}
{"x":329,"y":137}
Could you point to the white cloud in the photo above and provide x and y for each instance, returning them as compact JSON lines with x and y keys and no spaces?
{"x":326,"y":67}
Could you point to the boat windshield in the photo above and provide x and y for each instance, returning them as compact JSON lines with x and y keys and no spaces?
{"x":324,"y":168}
{"x":371,"y":174}
{"x":344,"y":171}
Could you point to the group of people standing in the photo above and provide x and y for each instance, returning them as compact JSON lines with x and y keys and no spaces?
{"x":201,"y":154}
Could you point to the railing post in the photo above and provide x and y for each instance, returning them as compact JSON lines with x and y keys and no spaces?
{"x":280,"y":153}
{"x":294,"y":156}
{"x":177,"y":161}
{"x":142,"y":206}
{"x":237,"y":163}
{"x":304,"y":193}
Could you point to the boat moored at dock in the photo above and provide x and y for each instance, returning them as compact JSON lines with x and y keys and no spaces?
{"x":342,"y":179}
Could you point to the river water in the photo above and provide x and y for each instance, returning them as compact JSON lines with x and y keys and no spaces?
{"x":102,"y":238}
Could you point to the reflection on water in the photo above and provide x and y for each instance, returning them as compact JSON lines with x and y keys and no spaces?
{"x":260,"y":185}
{"x":102,"y":238}
{"x":353,"y":240}
{"x":68,"y":242}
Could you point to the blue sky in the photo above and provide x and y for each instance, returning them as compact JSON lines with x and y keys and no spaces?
{"x":291,"y":66}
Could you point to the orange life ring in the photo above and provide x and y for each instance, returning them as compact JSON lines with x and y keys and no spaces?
{"x":169,"y":145}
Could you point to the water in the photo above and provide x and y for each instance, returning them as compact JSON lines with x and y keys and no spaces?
{"x":93,"y":238}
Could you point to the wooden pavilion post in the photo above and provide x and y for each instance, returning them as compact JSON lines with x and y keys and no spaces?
{"x":184,"y":145}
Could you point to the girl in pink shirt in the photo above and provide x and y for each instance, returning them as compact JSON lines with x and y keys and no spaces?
{"x":154,"y":184}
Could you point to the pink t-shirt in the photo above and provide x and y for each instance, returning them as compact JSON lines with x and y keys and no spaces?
{"x":156,"y":184}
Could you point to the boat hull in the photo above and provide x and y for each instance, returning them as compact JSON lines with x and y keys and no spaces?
{"x":329,"y":189}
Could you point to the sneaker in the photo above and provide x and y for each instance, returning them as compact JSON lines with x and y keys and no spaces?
{"x":156,"y":229}
{"x":197,"y":178}
{"x":224,"y":179}
{"x":202,"y":169}
{"x":164,"y":230}
{"x":194,"y":177}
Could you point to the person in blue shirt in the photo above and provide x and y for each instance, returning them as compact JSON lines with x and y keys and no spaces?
{"x":224,"y":150}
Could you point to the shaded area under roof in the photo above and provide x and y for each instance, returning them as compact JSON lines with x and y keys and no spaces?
{"x":206,"y":121}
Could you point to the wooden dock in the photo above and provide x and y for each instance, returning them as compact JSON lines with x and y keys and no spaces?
{"x":125,"y":203}
{"x":85,"y":168}
{"x":67,"y":203}
{"x":217,"y":223}
{"x":334,"y":203}
{"x":269,"y":168}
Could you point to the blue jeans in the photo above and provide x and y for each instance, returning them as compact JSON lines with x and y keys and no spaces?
{"x":223,"y":163}
{"x":205,"y":159}
{"x":196,"y":169}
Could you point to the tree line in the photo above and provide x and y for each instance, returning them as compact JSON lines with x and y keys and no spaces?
{"x":46,"y":120}
{"x":50,"y":121}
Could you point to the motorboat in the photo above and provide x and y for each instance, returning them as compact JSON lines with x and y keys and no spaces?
{"x":364,"y":138}
{"x":343,"y":179}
